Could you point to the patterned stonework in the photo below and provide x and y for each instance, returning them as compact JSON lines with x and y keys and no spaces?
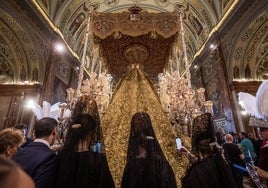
{"x":249,"y":54}
{"x":63,"y":71}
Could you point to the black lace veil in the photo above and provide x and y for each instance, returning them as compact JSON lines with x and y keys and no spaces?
{"x":210,"y":158}
{"x":156,"y":171}
{"x":87,"y":105}
{"x":142,"y":134}
{"x":81,"y":127}
{"x":202,"y":133}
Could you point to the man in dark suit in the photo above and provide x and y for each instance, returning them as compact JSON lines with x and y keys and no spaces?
{"x":37,"y":158}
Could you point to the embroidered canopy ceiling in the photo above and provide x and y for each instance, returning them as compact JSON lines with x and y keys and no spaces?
{"x":147,"y":41}
{"x":106,"y":24}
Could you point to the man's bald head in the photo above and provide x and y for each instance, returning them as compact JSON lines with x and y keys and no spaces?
{"x":229,"y":138}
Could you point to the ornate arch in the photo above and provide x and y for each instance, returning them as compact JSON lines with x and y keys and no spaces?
{"x":12,"y":55}
{"x":249,"y":50}
{"x":26,"y":57}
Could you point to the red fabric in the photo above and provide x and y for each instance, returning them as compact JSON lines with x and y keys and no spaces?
{"x":263,"y":164}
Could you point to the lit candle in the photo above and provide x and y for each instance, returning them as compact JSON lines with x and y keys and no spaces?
{"x":62,"y":107}
{"x":100,"y":68}
{"x":70,"y":94}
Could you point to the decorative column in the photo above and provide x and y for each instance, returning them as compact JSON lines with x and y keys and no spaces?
{"x":49,"y":77}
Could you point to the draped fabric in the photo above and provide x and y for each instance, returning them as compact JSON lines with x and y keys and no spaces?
{"x":78,"y":166}
{"x":83,"y":170}
{"x":146,"y":173}
{"x":135,"y":93}
{"x":105,"y":24}
{"x":210,"y":172}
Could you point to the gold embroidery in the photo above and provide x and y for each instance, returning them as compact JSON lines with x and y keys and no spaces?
{"x":135,"y":93}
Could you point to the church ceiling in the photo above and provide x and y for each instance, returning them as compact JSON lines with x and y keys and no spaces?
{"x":25,"y":43}
{"x":19,"y":59}
{"x":111,"y":17}
{"x":120,"y":40}
{"x":253,"y":47}
{"x":245,"y":47}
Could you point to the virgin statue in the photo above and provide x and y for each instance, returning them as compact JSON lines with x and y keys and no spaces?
{"x":135,"y":93}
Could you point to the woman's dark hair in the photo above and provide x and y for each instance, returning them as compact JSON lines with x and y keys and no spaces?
{"x":81,"y":127}
{"x":244,"y":134}
{"x":87,"y":105}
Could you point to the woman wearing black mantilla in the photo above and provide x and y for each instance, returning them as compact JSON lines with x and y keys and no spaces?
{"x":146,"y":165}
{"x":208,"y":169}
{"x":79,"y":167}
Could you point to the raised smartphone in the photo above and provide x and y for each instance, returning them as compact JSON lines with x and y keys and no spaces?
{"x":178,"y":143}
{"x":97,"y":147}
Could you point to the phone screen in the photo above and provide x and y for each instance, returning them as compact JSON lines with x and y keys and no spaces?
{"x":97,"y":147}
{"x":178,"y":143}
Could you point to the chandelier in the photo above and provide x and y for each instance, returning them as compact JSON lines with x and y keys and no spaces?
{"x":179,"y":100}
{"x":98,"y":85}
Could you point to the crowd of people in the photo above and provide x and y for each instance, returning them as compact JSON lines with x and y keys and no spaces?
{"x":208,"y":167}
{"x":247,"y":155}
{"x":225,"y":160}
{"x":214,"y":163}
